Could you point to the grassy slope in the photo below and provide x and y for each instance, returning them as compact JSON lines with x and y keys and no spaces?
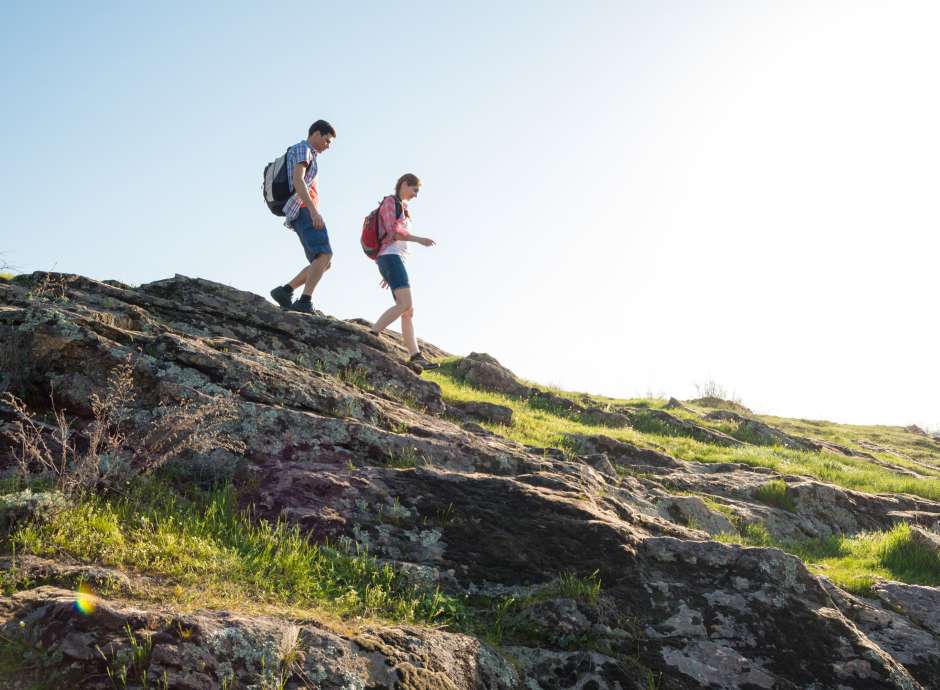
{"x":854,"y":562}
{"x":205,"y":554}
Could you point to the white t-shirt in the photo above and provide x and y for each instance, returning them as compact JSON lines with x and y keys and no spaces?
{"x":399,"y":247}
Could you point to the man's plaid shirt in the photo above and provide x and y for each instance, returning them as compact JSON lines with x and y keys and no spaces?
{"x":300,"y":153}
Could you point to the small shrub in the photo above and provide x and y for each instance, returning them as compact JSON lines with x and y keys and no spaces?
{"x":81,"y":461}
{"x":50,"y":287}
{"x":712,"y":389}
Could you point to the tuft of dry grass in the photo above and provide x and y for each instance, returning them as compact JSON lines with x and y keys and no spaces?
{"x":80,"y":460}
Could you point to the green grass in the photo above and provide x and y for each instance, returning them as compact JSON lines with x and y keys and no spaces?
{"x":356,"y":376}
{"x":204,"y":544}
{"x":856,"y":563}
{"x":751,"y":534}
{"x":204,"y":553}
{"x":717,"y":507}
{"x":405,"y":458}
{"x":501,"y":620}
{"x":742,"y":433}
{"x":535,"y":426}
{"x":775,"y":493}
{"x":648,"y":424}
{"x":571,"y":586}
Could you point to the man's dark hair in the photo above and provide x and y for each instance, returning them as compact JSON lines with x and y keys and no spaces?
{"x":323,"y":127}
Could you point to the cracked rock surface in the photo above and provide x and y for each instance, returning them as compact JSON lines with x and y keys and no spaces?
{"x":321,"y":408}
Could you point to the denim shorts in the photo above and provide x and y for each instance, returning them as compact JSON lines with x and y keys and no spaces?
{"x":314,"y":240}
{"x":393,"y":271}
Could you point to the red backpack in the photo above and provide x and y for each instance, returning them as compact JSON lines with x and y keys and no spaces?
{"x":372,"y":234}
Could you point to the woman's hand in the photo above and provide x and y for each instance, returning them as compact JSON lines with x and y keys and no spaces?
{"x":426,"y":241}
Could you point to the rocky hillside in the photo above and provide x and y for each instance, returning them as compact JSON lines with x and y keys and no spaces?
{"x":249,"y":498}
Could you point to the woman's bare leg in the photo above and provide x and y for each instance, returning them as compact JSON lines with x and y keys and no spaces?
{"x":402,"y":304}
{"x":408,"y":331}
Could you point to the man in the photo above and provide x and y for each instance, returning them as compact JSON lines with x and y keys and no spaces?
{"x":302,"y":215}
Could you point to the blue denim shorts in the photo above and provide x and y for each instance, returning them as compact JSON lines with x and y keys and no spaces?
{"x":393,"y":271}
{"x":314,"y":241}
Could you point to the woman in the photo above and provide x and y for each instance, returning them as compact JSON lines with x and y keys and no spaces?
{"x":394,"y":222}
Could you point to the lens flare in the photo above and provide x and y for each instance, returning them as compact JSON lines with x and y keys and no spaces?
{"x":85,"y":599}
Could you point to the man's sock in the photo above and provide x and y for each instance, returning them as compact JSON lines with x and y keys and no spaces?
{"x":303,"y":298}
{"x":288,"y":288}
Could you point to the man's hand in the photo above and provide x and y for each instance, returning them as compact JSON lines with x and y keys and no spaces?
{"x":425,"y":241}
{"x":316,"y":219}
{"x":383,"y":284}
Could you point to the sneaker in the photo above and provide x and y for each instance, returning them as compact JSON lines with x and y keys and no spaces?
{"x":304,"y":306}
{"x":419,"y":360}
{"x":282,"y":295}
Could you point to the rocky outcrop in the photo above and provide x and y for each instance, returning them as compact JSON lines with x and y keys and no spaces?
{"x":599,"y":417}
{"x":715,"y":403}
{"x":481,"y":412}
{"x":759,"y":433}
{"x":213,"y":650}
{"x":483,"y":371}
{"x":342,"y":440}
{"x":662,"y":422}
{"x":888,"y":625}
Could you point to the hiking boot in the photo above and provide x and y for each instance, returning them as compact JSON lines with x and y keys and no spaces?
{"x":304,"y":306}
{"x":282,"y":295}
{"x":418,"y":360}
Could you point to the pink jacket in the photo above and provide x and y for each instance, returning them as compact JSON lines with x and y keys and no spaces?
{"x":389,"y":224}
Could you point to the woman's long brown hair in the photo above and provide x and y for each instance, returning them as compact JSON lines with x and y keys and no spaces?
{"x":409,"y":179}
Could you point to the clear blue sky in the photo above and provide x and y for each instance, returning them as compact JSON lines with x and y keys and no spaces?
{"x":627,"y":197}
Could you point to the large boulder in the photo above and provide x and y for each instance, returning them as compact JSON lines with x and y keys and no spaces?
{"x":483,"y":371}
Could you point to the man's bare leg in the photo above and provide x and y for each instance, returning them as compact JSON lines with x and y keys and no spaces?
{"x":314,"y":272}
{"x":300,"y":278}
